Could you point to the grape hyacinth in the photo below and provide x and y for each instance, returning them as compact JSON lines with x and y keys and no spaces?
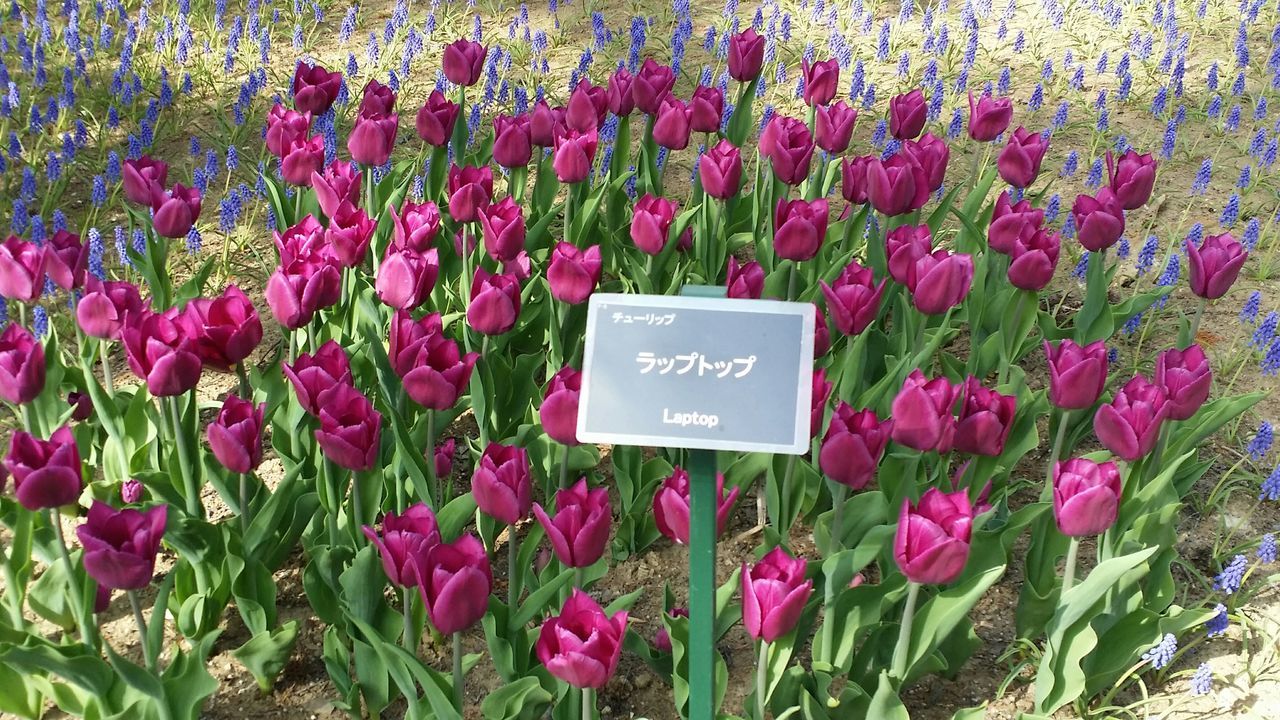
{"x":1162,"y":654}
{"x":1232,"y":575}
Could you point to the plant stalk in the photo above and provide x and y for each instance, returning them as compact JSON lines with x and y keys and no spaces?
{"x":142,"y":630}
{"x":588,"y":704}
{"x":410,"y":638}
{"x":104,"y":356}
{"x":457,"y":670}
{"x":245,"y":518}
{"x":1069,"y":573}
{"x":513,"y":550}
{"x":77,"y":600}
{"x":904,"y":632}
{"x":1058,"y":440}
{"x":762,"y":679}
{"x":194,"y":507}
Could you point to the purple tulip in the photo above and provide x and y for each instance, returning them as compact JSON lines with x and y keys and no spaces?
{"x":720,"y":170}
{"x":800,"y":226}
{"x":985,"y":419}
{"x":546,"y":124}
{"x":1011,"y":222}
{"x":463,"y":62}
{"x":746,"y":55}
{"x":931,"y":545}
{"x":821,"y":79}
{"x":940,"y":281}
{"x":652,"y":83}
{"x":101,"y":312}
{"x":907,"y":115}
{"x":46,"y":473}
{"x":303,"y":286}
{"x":587,"y":107}
{"x":573,"y":274}
{"x":834,"y":126}
{"x":339,"y":183}
{"x":853,"y":299}
{"x":579,"y":531}
{"x":582,"y":644}
{"x":1086,"y":496}
{"x":1077,"y":375}
{"x":1130,"y":424}
{"x":559,"y":410}
{"x":988,"y":117}
{"x":821,"y":335}
{"x":235,"y":436}
{"x":142,"y":178}
{"x":1034,"y":260}
{"x":1186,"y":377}
{"x":349,"y":429}
{"x":302,"y":158}
{"x":405,"y":537}
{"x":502,"y":484}
{"x":22,"y":369}
{"x":621,"y":99}
{"x":120,"y":546}
{"x":853,"y":178}
{"x":495,"y":302}
{"x":283,"y":127}
{"x":160,"y":353}
{"x":661,"y":639}
{"x":774,"y":592}
{"x":1131,"y":178}
{"x":904,"y":245}
{"x":454,"y":581}
{"x":821,"y":393}
{"x":349,"y":233}
{"x":853,"y":446}
{"x":651,"y":220}
{"x":788,"y":144}
{"x":315,"y":88}
{"x":898,"y":185}
{"x":574,"y":153}
{"x":66,"y":259}
{"x":313,"y":376}
{"x":433,"y":370}
{"x":1215,"y":265}
{"x":470,"y":191}
{"x":300,"y":240}
{"x":932,"y":154}
{"x":504,"y":231}
{"x":746,"y":281}
{"x":1099,"y":220}
{"x":173,"y":213}
{"x":435,"y":119}
{"x":671,"y":506}
{"x":373,"y":138}
{"x":706,"y":107}
{"x":1019,"y":161}
{"x":22,"y":269}
{"x":131,"y":492}
{"x":922,"y":413}
{"x":224,"y":330}
{"x":444,"y":458}
{"x":406,"y":277}
{"x":512,"y":146}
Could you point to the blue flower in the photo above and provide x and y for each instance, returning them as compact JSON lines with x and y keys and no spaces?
{"x":1271,"y":486}
{"x":1266,"y":331}
{"x":1202,"y":680}
{"x":1267,"y":548}
{"x":1249,"y":312}
{"x":1217,"y":625}
{"x":1201,"y":184}
{"x":1162,"y":654}
{"x":1230,"y":212}
{"x":1252,"y":232}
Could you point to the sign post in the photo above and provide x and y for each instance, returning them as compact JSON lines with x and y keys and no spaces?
{"x":705,"y":373}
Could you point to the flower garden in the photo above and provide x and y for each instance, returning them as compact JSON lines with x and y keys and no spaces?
{"x":295,"y":308}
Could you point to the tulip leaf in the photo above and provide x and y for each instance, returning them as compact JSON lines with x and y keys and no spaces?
{"x":538,"y":601}
{"x":524,"y":699}
{"x":74,"y":663}
{"x":187,"y":682}
{"x":455,"y":516}
{"x":885,"y":704}
{"x":136,"y":677}
{"x":265,"y":654}
{"x":159,"y":610}
{"x":407,"y":670}
{"x":740,"y":121}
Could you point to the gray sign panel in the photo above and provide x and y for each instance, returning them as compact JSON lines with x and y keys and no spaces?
{"x":696,"y":372}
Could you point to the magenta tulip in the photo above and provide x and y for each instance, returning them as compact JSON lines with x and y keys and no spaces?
{"x":66,"y":259}
{"x":574,"y":153}
{"x":1011,"y":222}
{"x":406,"y":277}
{"x":579,"y":531}
{"x":300,"y":288}
{"x":120,"y":546}
{"x":22,"y":269}
{"x":1130,"y":424}
{"x":1186,"y":378}
{"x":587,"y":107}
{"x":142,"y":177}
{"x":102,"y":310}
{"x":988,"y":117}
{"x":1019,"y":161}
{"x":315,"y":88}
{"x":433,"y":370}
{"x":904,"y":245}
{"x":581,"y":645}
{"x":821,"y":334}
{"x":160,"y":353}
{"x":1086,"y":496}
{"x":820,"y":394}
{"x":922,"y":413}
{"x":559,"y":410}
{"x":852,"y":448}
{"x":46,"y":473}
{"x":985,"y":419}
{"x":546,"y":124}
{"x":1131,"y":178}
{"x":349,"y":429}
{"x":314,"y":375}
{"x":720,"y":170}
{"x":1215,"y":265}
{"x":435,"y":119}
{"x":671,"y":506}
{"x":834,"y":126}
{"x":774,"y":592}
{"x":349,"y":234}
{"x":302,"y":158}
{"x":300,"y":240}
{"x":495,"y":302}
{"x":405,"y":537}
{"x":463,"y":62}
{"x":470,"y":191}
{"x":1077,"y":375}
{"x":800,"y":226}
{"x":898,"y":185}
{"x":745,"y":281}
{"x":853,"y":178}
{"x":1034,"y":260}
{"x":932,"y":154}
{"x":706,"y":108}
{"x":788,"y":144}
{"x":415,"y":225}
{"x":620,"y":98}
{"x":651,"y":220}
{"x":512,"y":146}
{"x":820,"y":81}
{"x":283,"y":127}
{"x":573,"y":274}
{"x":502,"y":483}
{"x":22,"y":365}
{"x":235,"y":435}
{"x":173,"y":213}
{"x":372,"y":139}
{"x":504,"y":231}
{"x":1099,"y":220}
{"x":907,"y":115}
{"x":339,"y":183}
{"x":746,"y":55}
{"x":931,"y":545}
{"x":224,"y":330}
{"x":940,"y":281}
{"x":454,"y":581}
{"x":652,"y":83}
{"x":853,"y":298}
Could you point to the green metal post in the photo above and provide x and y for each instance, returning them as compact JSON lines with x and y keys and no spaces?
{"x":702,"y":583}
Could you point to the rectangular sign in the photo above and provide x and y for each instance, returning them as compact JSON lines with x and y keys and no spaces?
{"x":697,"y":372}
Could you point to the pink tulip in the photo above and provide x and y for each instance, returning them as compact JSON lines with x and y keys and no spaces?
{"x":1077,"y":375}
{"x":931,"y":545}
{"x":988,"y":117}
{"x":582,"y":644}
{"x":1186,"y":378}
{"x":907,"y":115}
{"x":671,"y":506}
{"x":579,"y":531}
{"x":1086,"y":496}
{"x":464,"y":61}
{"x":821,"y":80}
{"x":574,"y":274}
{"x":1019,"y":161}
{"x":853,"y":299}
{"x":1215,"y":265}
{"x":435,"y":119}
{"x":853,"y":446}
{"x":502,"y":484}
{"x":774,"y":592}
{"x":1130,"y":424}
{"x":923,"y":413}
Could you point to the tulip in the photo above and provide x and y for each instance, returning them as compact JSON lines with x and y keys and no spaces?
{"x":821,"y":392}
{"x":661,"y":639}
{"x":834,"y":126}
{"x":173,"y":213}
{"x":922,"y":413}
{"x":120,"y":546}
{"x":898,"y":185}
{"x":301,"y":240}
{"x":940,"y":281}
{"x":774,"y":592}
{"x":142,"y":177}
{"x":470,"y":191}
{"x":66,"y":259}
{"x":1130,"y":424}
{"x":907,"y":114}
{"x":821,"y":335}
{"x":504,"y":231}
{"x":495,"y":302}
{"x":1086,"y":496}
{"x":852,"y":448}
{"x":853,"y":178}
{"x":820,"y":81}
{"x":1011,"y":222}
{"x":931,"y":545}
{"x":372,"y":139}
{"x":406,"y":277}
{"x":574,"y":153}
{"x":788,"y":144}
{"x":312,"y":376}
{"x":1186,"y":377}
{"x":405,"y":537}
{"x":283,"y":127}
{"x":720,"y":170}
{"x":22,"y":269}
{"x":512,"y":147}
{"x":160,"y":352}
{"x":853,"y":299}
{"x":559,"y":410}
{"x":651,"y":220}
{"x":746,"y":55}
{"x":1132,"y":178}
{"x":579,"y":532}
{"x":376,"y":99}
{"x":573,"y":274}
{"x":454,"y":581}
{"x":1099,"y":220}
{"x":1215,"y":265}
{"x":988,"y":117}
{"x":415,"y":226}
{"x":1034,"y":260}
{"x":671,"y":506}
{"x":581,"y":645}
{"x":463,"y":62}
{"x":904,"y":246}
{"x":1077,"y":374}
{"x":932,"y":154}
{"x":621,"y":99}
{"x":587,"y":107}
{"x":1019,"y":161}
{"x":349,"y":428}
{"x":339,"y":183}
{"x":744,"y":281}
{"x":706,"y":107}
{"x":131,"y":492}
{"x":315,"y":88}
{"x":800,"y":226}
{"x":349,"y":233}
{"x":985,"y":419}
{"x":546,"y":124}
{"x":502,"y":484}
{"x":652,"y":83}
{"x":81,"y":405}
{"x":22,"y":369}
{"x":435,"y":119}
{"x":302,"y":158}
{"x":430,"y":365}
{"x":444,"y":458}
{"x":235,"y":436}
{"x":101,"y":312}
{"x":303,"y":286}
{"x":46,"y":473}
{"x":224,"y":330}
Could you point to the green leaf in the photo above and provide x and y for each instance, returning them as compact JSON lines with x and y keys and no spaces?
{"x":524,"y":699}
{"x":455,"y":516}
{"x":539,"y":600}
{"x":73,"y":663}
{"x":136,"y":677}
{"x":187,"y":681}
{"x":885,"y":704}
{"x":266,"y":654}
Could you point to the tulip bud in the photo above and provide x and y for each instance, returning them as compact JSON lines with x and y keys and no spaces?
{"x":986,"y":417}
{"x":559,"y":410}
{"x":853,"y":300}
{"x":1130,"y":424}
{"x":470,"y":191}
{"x":349,"y":428}
{"x":406,"y":277}
{"x":22,"y":269}
{"x":940,"y":281}
{"x":1077,"y":375}
{"x":579,"y":532}
{"x":821,"y":334}
{"x":907,"y":114}
{"x":405,"y":537}
{"x":898,"y":185}
{"x":720,"y":170}
{"x":651,"y":220}
{"x":235,"y":436}
{"x":160,"y":353}
{"x":444,"y":458}
{"x":376,"y":99}
{"x":312,"y":376}
{"x":746,"y":55}
{"x":300,"y":288}
{"x":574,"y":153}
{"x":546,"y":124}
{"x":820,"y":81}
{"x":22,"y":368}
{"x":429,"y":364}
{"x":671,"y":506}
{"x":800,"y":226}
{"x":1186,"y":377}
{"x":853,"y":178}
{"x":1132,"y":178}
{"x":463,"y":63}
{"x":788,"y":144}
{"x":349,"y":234}
{"x":46,"y":473}
{"x":339,"y":183}
{"x":81,"y":405}
{"x":587,"y":107}
{"x":173,"y":213}
{"x":834,"y":125}
{"x":932,"y":154}
{"x":745,"y":282}
{"x":774,"y":592}
{"x":652,"y":83}
{"x":372,"y":139}
{"x":1099,"y":220}
{"x":504,"y":231}
{"x":502,"y":484}
{"x":495,"y":302}
{"x":1012,"y":222}
{"x":931,"y":545}
{"x":66,"y":259}
{"x":582,"y":644}
{"x":706,"y":108}
{"x":661,"y":638}
{"x":435,"y":119}
{"x":131,"y":492}
{"x":315,"y":88}
{"x":283,"y":127}
{"x":853,"y":446}
{"x":620,"y":98}
{"x":512,"y":146}
{"x":102,"y":311}
{"x":120,"y":546}
{"x":142,"y":178}
{"x":1034,"y":260}
{"x":1019,"y":161}
{"x":1086,"y":496}
{"x":223,"y":330}
{"x":904,"y":245}
{"x":922,"y":413}
{"x":454,"y":581}
{"x":302,"y":158}
{"x":573,"y":274}
{"x":988,"y":117}
{"x":821,"y":393}
{"x":1215,"y":265}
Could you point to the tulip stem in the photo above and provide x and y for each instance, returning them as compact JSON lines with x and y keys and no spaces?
{"x":244,"y":505}
{"x":142,"y":630}
{"x":410,"y":637}
{"x":194,"y":508}
{"x":513,"y":549}
{"x":436,"y":487}
{"x":791,"y":280}
{"x":297,"y":206}
{"x":104,"y":356}
{"x":762,"y":679}
{"x":331,"y":487}
{"x":588,"y":704}
{"x":904,"y":632}
{"x":457,"y":669}
{"x":246,"y":390}
{"x":1069,"y":573}
{"x":357,"y":509}
{"x":917,"y":345}
{"x":838,"y":493}
{"x":1195,"y":321}
{"x":564,"y":467}
{"x":1058,"y":441}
